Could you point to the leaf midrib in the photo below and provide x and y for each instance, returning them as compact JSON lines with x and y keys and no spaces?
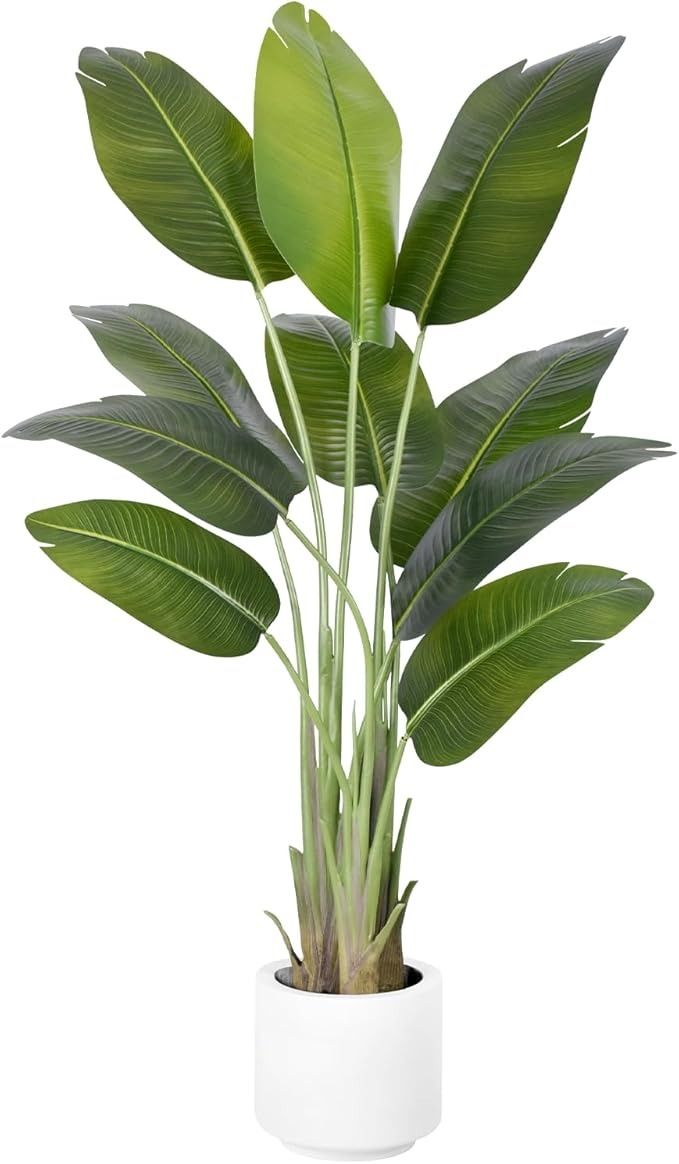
{"x":131,"y":548}
{"x":351,"y":183}
{"x":190,"y":368}
{"x":502,"y":423}
{"x":534,"y":484}
{"x":499,"y":645}
{"x":438,"y":275}
{"x":365,"y":412}
{"x":212,"y":190}
{"x":190,"y":449}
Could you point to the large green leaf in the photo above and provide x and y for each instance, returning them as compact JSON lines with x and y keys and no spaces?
{"x":165,"y":356}
{"x":327,"y":161}
{"x":500,"y":509}
{"x":179,"y":161}
{"x":175,"y":576}
{"x":317,"y":349}
{"x":497,"y":186}
{"x":501,"y":643}
{"x":532,"y":395}
{"x":209,"y":466}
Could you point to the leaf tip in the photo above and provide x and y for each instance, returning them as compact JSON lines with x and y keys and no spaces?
{"x":32,"y":522}
{"x":89,"y":59}
{"x":318,"y":25}
{"x":286,"y":16}
{"x":617,"y":40}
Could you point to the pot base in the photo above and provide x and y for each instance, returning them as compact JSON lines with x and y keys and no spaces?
{"x":338,"y":1154}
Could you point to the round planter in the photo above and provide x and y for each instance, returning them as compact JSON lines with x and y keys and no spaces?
{"x":348,"y":1077}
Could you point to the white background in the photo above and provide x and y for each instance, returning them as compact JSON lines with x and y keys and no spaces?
{"x":149,"y":793}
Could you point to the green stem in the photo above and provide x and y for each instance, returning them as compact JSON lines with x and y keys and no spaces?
{"x":385,"y":662}
{"x":368,"y":728}
{"x":345,"y":546}
{"x":338,"y":896}
{"x":373,"y":881}
{"x":340,"y":601}
{"x":386,"y":667}
{"x":339,"y":582}
{"x":393,"y":705}
{"x":395,"y":654}
{"x":304,"y":444}
{"x":314,"y":715}
{"x":396,"y":857}
{"x":295,"y":609}
{"x":309,"y":824}
{"x":299,"y":422}
{"x":392,"y":486}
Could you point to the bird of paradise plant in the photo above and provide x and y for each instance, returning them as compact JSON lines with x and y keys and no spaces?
{"x":459,"y":486}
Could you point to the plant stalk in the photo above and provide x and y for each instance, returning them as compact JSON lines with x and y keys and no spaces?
{"x":314,"y":715}
{"x":304,"y":443}
{"x":310,"y":795}
{"x":369,"y":668}
{"x":373,"y":881}
{"x":382,"y":660}
{"x":347,"y":527}
{"x":312,"y":858}
{"x":340,"y":601}
{"x":390,"y":495}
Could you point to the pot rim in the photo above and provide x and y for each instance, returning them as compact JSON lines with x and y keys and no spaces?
{"x":430,"y":980}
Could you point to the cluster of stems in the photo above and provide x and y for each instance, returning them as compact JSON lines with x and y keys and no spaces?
{"x":347,"y":873}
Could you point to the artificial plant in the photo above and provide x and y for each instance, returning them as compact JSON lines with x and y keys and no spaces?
{"x":459,"y":487}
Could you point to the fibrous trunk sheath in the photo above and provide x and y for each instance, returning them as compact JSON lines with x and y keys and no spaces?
{"x":338,"y":955}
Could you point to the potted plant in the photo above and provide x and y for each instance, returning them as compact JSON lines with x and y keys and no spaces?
{"x":348,"y":1033}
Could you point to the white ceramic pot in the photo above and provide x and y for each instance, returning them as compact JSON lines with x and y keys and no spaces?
{"x":348,"y":1077}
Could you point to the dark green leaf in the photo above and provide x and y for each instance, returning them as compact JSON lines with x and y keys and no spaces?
{"x":209,"y":466}
{"x":179,"y":161}
{"x":532,"y":395}
{"x":498,"y":185}
{"x":486,"y":656}
{"x":327,"y":159}
{"x":165,"y":356}
{"x":501,"y":508}
{"x":317,"y":350}
{"x":178,"y":578}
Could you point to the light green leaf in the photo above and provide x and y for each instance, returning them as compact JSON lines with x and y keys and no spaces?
{"x":501,"y":508}
{"x":532,"y":395}
{"x":215,"y":470}
{"x":165,"y":356}
{"x":497,"y":185}
{"x":495,"y":648}
{"x":317,"y":349}
{"x":179,"y":161}
{"x":178,"y":578}
{"x":327,"y":161}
